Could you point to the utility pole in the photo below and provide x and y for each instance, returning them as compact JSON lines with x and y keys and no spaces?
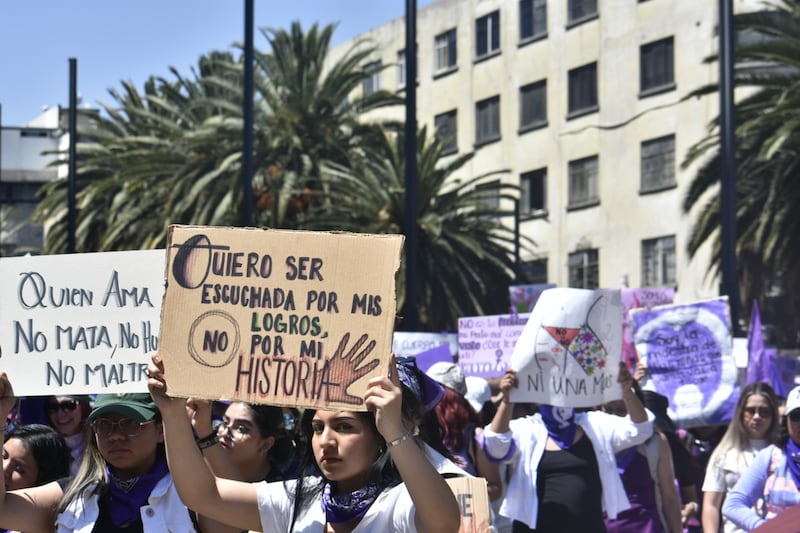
{"x":72,"y":167}
{"x":247,"y":112}
{"x":410,"y":311}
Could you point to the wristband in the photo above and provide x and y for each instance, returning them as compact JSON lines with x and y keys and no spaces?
{"x":399,"y":440}
{"x":208,"y":441}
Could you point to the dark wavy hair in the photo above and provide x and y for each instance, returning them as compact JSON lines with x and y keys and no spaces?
{"x":48,"y":448}
{"x":383,"y":473}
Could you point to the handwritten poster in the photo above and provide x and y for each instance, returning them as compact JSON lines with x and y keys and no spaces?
{"x":407,"y":343}
{"x":283,"y":317}
{"x":472,"y":496}
{"x":485,"y":343}
{"x":80,"y":323}
{"x":635,"y":298}
{"x":568,"y":353}
{"x":688,"y":353}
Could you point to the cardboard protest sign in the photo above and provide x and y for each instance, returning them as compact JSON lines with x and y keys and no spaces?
{"x":524,"y":297}
{"x":282,"y":317}
{"x":473,"y":500}
{"x":568,"y":353}
{"x":80,"y":323}
{"x":688,"y":353}
{"x":637,"y":298}
{"x":485,"y":343}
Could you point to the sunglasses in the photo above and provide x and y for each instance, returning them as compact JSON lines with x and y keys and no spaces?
{"x":794,"y":415}
{"x":103,"y":427}
{"x":763,"y":412}
{"x":66,"y":406}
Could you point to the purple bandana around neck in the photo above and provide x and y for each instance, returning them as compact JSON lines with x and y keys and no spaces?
{"x":624,"y":459}
{"x":793,"y":460}
{"x":124,"y":505}
{"x":340,"y":508}
{"x":560,"y":424}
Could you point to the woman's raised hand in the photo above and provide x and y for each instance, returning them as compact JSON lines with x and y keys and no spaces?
{"x":7,"y":398}
{"x":157,"y":384}
{"x":385,"y":398}
{"x":507,"y":382}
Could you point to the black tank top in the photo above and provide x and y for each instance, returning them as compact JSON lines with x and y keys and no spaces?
{"x":569,"y":490}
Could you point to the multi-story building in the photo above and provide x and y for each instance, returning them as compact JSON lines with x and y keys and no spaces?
{"x":583,"y":103}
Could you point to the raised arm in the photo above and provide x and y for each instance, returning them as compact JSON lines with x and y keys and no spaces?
{"x":227,"y":501}
{"x":31,"y":510}
{"x":670,"y":501}
{"x":435,"y":504}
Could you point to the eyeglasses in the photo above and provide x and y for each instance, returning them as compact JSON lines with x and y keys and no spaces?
{"x":794,"y":415}
{"x":237,"y":431}
{"x":763,"y":412}
{"x":66,"y":406}
{"x":104,"y":427}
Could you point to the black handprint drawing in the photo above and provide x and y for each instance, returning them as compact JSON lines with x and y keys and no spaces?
{"x":345,"y":368}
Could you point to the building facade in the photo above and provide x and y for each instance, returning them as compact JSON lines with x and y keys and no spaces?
{"x":583,"y":103}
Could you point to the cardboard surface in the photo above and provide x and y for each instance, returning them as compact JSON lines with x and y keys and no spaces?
{"x":282,"y":317}
{"x":80,"y":323}
{"x":473,"y":501}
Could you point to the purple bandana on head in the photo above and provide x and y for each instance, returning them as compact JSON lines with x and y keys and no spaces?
{"x":428,"y":391}
{"x":560,"y":424}
{"x":340,"y":508}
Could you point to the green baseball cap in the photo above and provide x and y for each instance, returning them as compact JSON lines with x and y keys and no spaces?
{"x":136,"y":406}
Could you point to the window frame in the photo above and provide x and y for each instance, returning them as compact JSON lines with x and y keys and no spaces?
{"x":575,"y":77}
{"x":529,"y":192}
{"x":534,"y":124}
{"x":531,"y":19}
{"x":491,"y":35}
{"x":452,"y":146}
{"x":659,"y":256}
{"x":652,"y":59}
{"x":491,"y":136}
{"x":586,"y":14}
{"x":450,"y":48}
{"x":590,"y":200}
{"x":588,"y":267}
{"x":372,"y":82}
{"x":650,"y":185}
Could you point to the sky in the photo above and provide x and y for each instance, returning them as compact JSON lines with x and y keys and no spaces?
{"x":116,"y":40}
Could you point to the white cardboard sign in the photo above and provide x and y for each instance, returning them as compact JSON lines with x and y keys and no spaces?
{"x":80,"y":323}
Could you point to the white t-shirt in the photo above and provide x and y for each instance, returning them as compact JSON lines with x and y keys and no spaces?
{"x":393,"y":510}
{"x":722,"y":475}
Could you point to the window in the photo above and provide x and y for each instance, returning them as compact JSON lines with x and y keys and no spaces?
{"x":489,"y":195}
{"x":584,"y":272}
{"x":533,"y":271}
{"x":401,"y":69}
{"x":447,"y":131}
{"x":583,"y":182}
{"x":533,"y":105}
{"x":581,"y":10}
{"x":372,"y":81}
{"x":487,"y":120}
{"x":445,"y":51}
{"x":583,"y":89}
{"x":658,"y":163}
{"x":533,"y":196}
{"x":532,"y":19}
{"x":487,"y":34}
{"x":658,"y":262}
{"x":656,"y":66}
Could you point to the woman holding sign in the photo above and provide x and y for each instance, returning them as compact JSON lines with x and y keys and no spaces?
{"x":564,"y":463}
{"x":367,"y":474}
{"x":122,"y":485}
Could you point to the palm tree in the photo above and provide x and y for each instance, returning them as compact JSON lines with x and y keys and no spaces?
{"x":767,"y":148}
{"x":466,"y":264}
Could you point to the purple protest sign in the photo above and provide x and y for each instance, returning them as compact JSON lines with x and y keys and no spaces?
{"x":636,"y":298}
{"x":485,"y":343}
{"x":689,"y":356}
{"x":426,"y":359}
{"x":783,"y":369}
{"x":524,"y":297}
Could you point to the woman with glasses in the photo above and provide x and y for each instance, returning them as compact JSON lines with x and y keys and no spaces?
{"x":771,"y":483}
{"x":67,"y":415}
{"x":754,"y":427}
{"x":122,"y":485}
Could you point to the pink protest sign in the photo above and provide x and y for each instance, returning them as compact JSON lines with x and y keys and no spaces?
{"x":485,"y":343}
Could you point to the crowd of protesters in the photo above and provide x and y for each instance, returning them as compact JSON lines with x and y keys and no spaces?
{"x":149,"y":462}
